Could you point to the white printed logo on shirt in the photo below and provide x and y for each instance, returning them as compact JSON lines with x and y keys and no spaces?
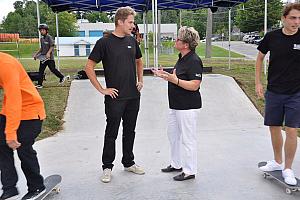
{"x":297,"y":46}
{"x":129,"y":47}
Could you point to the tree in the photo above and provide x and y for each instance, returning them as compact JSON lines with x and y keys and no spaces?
{"x":67,"y":27}
{"x":251,"y":17}
{"x":24,"y":20}
{"x":94,"y":17}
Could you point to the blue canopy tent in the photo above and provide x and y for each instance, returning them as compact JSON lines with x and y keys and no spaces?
{"x":139,"y":6}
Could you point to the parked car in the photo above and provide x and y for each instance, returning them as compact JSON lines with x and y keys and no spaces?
{"x":257,"y":42}
{"x":255,"y":37}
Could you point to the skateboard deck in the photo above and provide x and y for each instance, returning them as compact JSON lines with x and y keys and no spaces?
{"x":52,"y":184}
{"x":42,"y":58}
{"x":277,"y":175}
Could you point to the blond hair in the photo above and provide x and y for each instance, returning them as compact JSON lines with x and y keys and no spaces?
{"x":122,"y":14}
{"x":190,"y":36}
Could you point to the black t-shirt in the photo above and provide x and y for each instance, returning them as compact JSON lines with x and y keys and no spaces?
{"x":188,"y":67}
{"x":46,"y":43}
{"x":284,"y":64}
{"x":118,"y":56}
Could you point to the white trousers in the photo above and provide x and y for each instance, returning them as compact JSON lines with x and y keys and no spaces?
{"x":182,"y":134}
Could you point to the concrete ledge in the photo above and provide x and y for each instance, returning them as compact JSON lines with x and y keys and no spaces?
{"x":147,"y":71}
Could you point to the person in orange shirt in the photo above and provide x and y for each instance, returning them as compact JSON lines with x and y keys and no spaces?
{"x":20,"y":123}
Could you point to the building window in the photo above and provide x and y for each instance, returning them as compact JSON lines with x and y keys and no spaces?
{"x":76,"y":50}
{"x":87,"y":49}
{"x":81,"y":33}
{"x":95,"y":33}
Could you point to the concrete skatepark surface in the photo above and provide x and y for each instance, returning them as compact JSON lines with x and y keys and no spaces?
{"x":231,"y":141}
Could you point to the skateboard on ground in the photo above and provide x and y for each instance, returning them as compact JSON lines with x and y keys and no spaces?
{"x":52,"y":184}
{"x":277,"y":175}
{"x":42,"y":58}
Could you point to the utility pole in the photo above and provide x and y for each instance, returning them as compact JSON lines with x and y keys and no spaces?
{"x":208,"y":34}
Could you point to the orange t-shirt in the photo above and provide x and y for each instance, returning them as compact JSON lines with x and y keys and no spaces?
{"x":21,"y":99}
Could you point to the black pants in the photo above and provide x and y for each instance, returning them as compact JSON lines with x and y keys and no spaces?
{"x":27,"y":132}
{"x":115,"y":110}
{"x":51,"y":65}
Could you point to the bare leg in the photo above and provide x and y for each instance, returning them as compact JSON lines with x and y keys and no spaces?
{"x":277,"y":142}
{"x":290,"y":146}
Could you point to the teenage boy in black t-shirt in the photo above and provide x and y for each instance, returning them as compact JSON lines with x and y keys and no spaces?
{"x":123,"y":70}
{"x":283,"y":89}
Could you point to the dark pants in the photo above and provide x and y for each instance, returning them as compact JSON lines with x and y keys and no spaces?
{"x":282,"y":109}
{"x":51,"y":65}
{"x":27,"y":132}
{"x":115,"y":110}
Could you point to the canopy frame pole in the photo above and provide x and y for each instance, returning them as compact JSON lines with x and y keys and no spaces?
{"x":145,"y":21}
{"x":39,"y":19}
{"x":229,"y":39}
{"x":57,"y":38}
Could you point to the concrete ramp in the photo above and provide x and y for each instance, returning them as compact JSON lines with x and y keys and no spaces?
{"x":231,"y":138}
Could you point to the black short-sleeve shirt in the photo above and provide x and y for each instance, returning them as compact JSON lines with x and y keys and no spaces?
{"x":188,"y":67}
{"x":284,"y":63}
{"x":118,"y":56}
{"x":46,"y":43}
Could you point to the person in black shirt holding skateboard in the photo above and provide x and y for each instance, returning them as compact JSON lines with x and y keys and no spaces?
{"x":46,"y":56}
{"x":123,"y":70}
{"x":282,"y":97}
{"x":184,"y":104}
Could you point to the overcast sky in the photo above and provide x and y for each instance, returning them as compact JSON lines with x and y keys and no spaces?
{"x":7,"y":6}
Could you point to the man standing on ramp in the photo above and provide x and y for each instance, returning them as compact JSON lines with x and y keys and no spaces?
{"x":282,"y":97}
{"x":123,"y":70}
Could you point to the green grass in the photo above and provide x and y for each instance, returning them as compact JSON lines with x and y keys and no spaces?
{"x":25,"y":50}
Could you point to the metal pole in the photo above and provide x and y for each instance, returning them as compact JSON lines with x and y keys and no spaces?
{"x":57,"y":36}
{"x":208,"y":34}
{"x":38,"y":18}
{"x":154,"y":32}
{"x":265,"y":31}
{"x":229,"y":38}
{"x":180,"y":19}
{"x":145,"y":39}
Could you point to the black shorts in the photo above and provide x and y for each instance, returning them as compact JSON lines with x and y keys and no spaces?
{"x":282,"y":109}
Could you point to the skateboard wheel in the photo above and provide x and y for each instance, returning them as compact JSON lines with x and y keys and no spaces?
{"x":288,"y":191}
{"x":265,"y":175}
{"x":57,"y":190}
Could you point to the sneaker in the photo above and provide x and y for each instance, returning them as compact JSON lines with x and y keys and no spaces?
{"x":171,"y":169}
{"x":289,"y":177}
{"x":106,"y":176}
{"x":10,"y":195}
{"x":183,"y":177}
{"x":61,"y":81}
{"x":272,"y":166}
{"x":34,"y":194}
{"x":39,"y":86}
{"x":135,"y":169}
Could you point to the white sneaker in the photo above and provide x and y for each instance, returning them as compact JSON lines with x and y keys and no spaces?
{"x":67,"y":77}
{"x":135,"y":169}
{"x":272,"y":166}
{"x":289,"y":177}
{"x":106,"y":176}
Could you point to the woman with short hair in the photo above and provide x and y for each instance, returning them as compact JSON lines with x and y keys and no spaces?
{"x":184,"y":103}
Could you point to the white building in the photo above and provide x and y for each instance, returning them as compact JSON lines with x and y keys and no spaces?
{"x":97,"y":29}
{"x":89,"y":33}
{"x":76,"y":46}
